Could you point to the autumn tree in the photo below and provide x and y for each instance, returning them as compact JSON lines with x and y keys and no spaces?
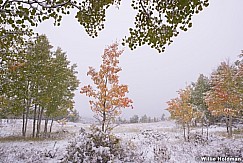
{"x":223,"y":99}
{"x":182,"y":110}
{"x":156,"y":21}
{"x":108,"y":97}
{"x":239,"y":81}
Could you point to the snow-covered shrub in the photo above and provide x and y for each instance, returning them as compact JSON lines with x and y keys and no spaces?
{"x":154,"y":135}
{"x":156,"y":149}
{"x":16,"y":154}
{"x":197,"y":139}
{"x":130,"y":152}
{"x":230,"y":150}
{"x":99,"y":147}
{"x":161,"y":153}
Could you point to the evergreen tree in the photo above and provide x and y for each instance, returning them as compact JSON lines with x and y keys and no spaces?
{"x":198,"y":94}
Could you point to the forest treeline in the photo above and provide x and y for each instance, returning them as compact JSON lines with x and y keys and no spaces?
{"x":140,"y":119}
{"x":37,"y":83}
{"x":217,"y":98}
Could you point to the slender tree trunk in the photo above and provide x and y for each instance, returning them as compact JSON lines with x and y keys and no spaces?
{"x":38,"y":118}
{"x":184,"y":130}
{"x":227,"y":124}
{"x":230,"y":126}
{"x":51,"y":124}
{"x":45,"y":128}
{"x":26,"y":121}
{"x":202,"y":125}
{"x":41,"y":109}
{"x":103,"y":121}
{"x":104,"y":112}
{"x":27,"y":107}
{"x":188,"y":131}
{"x":26,"y":117}
{"x":23,"y":124}
{"x":207,"y":130}
{"x":34,"y":121}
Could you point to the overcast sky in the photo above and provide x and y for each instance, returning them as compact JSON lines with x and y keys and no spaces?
{"x":153,"y":78}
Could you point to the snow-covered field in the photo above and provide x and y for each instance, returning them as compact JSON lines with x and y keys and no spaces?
{"x":157,"y":142}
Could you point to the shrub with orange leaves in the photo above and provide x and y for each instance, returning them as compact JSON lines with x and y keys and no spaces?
{"x":108,"y":97}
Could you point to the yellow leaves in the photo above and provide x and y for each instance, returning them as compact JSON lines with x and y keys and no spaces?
{"x":114,"y":102}
{"x":181,"y":108}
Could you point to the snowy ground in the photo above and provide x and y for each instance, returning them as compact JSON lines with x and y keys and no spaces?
{"x":156,"y":141}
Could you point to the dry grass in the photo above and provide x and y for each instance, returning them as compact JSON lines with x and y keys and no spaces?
{"x":19,"y":138}
{"x":237,"y":134}
{"x":51,"y":136}
{"x":238,"y":131}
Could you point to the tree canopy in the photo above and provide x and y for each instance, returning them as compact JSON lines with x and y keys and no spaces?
{"x":156,"y":21}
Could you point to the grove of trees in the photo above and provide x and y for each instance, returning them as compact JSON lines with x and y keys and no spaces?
{"x":37,"y":84}
{"x":142,"y":119}
{"x":26,"y":58}
{"x":219,"y":96}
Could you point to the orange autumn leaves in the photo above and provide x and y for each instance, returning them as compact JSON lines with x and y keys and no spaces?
{"x":224,"y":98}
{"x":107,"y":95}
{"x":180,"y":108}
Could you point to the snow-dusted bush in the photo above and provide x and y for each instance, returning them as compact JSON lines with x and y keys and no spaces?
{"x":161,"y":153}
{"x":154,"y":135}
{"x":16,"y":154}
{"x":99,"y":147}
{"x":230,"y":149}
{"x":156,"y":150}
{"x":197,"y":139}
